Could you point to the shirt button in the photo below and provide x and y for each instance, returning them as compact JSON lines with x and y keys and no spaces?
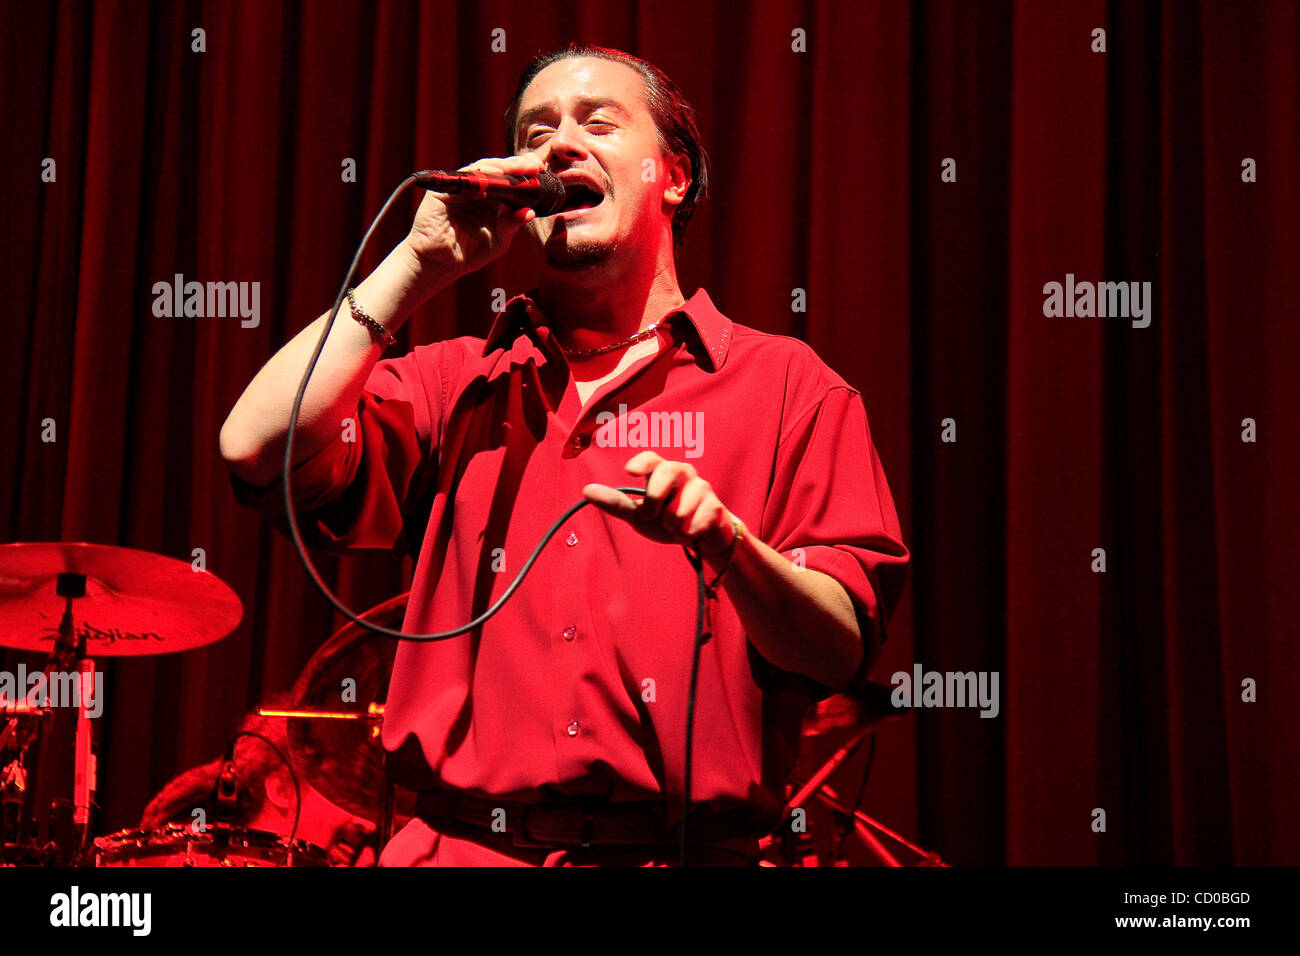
{"x":570,"y":632}
{"x":571,"y":540}
{"x":573,"y":728}
{"x":576,"y":442}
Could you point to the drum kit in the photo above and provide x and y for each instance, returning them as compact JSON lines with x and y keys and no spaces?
{"x":77,"y":602}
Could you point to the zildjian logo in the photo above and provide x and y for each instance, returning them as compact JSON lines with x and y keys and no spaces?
{"x":110,"y":635}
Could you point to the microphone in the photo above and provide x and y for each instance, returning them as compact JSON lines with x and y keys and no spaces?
{"x":226,"y":788}
{"x":543,"y":192}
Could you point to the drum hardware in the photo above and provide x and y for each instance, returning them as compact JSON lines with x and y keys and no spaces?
{"x":218,"y":844}
{"x":870,"y":830}
{"x":374,"y":713}
{"x":120,"y":602}
{"x":336,"y":750}
{"x":862,"y":713}
{"x":20,"y":727}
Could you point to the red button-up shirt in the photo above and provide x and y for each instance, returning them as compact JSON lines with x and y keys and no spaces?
{"x":467,"y":450}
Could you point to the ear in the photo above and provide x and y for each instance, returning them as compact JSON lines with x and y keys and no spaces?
{"x":279,"y":790}
{"x":677,"y":178}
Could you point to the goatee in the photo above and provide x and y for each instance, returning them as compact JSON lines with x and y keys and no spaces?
{"x":570,"y":257}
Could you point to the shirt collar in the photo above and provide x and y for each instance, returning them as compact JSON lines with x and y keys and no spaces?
{"x":713,"y":329}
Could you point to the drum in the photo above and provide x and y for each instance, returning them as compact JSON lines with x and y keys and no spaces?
{"x":23,"y":854}
{"x":216,"y":845}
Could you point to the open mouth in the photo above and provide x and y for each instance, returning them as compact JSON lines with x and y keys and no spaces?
{"x":580,"y":196}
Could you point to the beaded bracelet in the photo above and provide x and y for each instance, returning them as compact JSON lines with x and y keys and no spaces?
{"x":360,"y":315}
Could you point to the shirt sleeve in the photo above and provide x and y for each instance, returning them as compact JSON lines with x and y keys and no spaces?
{"x":830,"y":509}
{"x":359,"y":490}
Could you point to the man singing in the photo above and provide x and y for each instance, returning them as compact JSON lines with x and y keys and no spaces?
{"x":555,"y":734}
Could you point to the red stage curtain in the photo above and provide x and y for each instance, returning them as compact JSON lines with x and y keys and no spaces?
{"x":1120,"y":690}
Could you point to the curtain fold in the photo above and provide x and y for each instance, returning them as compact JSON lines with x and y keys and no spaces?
{"x":894,"y":183}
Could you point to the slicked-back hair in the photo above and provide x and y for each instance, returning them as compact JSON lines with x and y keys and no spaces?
{"x":674,"y":117}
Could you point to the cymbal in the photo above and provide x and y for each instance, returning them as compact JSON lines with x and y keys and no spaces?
{"x":136,"y":602}
{"x":344,"y":759}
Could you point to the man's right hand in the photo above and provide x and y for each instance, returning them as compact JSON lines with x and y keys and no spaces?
{"x":450,"y":237}
{"x":457,"y":235}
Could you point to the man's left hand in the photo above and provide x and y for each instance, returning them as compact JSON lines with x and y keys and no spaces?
{"x":679,"y":506}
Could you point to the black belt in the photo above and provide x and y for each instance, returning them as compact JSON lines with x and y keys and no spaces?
{"x":582,"y":822}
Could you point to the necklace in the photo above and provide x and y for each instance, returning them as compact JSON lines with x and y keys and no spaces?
{"x":630,"y":340}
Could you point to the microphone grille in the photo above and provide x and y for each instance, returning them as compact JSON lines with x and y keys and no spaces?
{"x":551,"y":198}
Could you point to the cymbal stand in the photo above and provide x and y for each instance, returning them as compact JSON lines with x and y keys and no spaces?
{"x":69,"y":652}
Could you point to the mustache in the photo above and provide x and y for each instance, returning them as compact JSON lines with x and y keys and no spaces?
{"x":607,"y":184}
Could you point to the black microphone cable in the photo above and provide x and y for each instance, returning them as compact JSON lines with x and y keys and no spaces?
{"x":295,"y":533}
